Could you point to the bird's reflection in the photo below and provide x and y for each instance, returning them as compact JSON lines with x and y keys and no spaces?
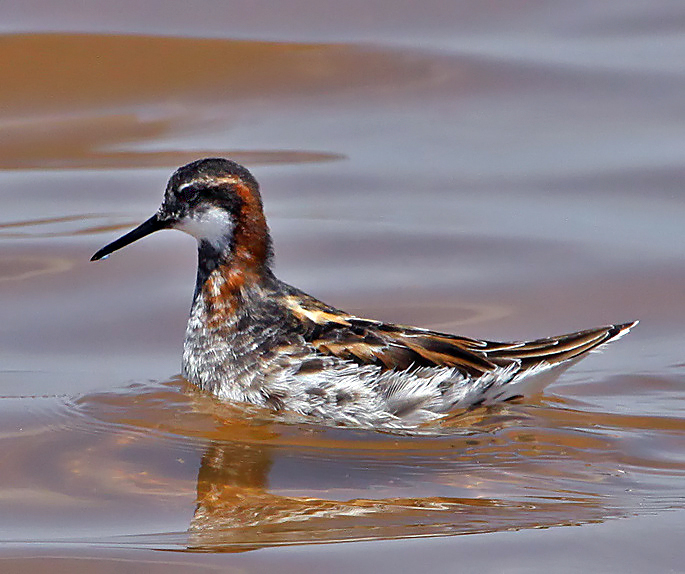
{"x":236,"y":511}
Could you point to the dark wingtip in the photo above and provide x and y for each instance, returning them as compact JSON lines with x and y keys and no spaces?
{"x":625,"y":326}
{"x":617,"y":331}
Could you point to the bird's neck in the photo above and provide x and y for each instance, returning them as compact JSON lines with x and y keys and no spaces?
{"x":227,"y":270}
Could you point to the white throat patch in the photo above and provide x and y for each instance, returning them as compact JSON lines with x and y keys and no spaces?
{"x":212,"y":224}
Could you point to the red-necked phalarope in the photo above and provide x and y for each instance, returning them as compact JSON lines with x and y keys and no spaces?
{"x":255,"y":339}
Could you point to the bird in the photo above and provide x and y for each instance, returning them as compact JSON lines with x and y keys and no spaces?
{"x":252,"y":338}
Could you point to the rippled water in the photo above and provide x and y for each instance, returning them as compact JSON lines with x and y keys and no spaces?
{"x":501,"y":172}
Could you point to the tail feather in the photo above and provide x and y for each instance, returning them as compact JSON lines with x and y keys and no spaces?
{"x":543,"y":360}
{"x":555,"y":350}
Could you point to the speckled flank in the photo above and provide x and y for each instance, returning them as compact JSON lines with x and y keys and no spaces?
{"x":252,"y":338}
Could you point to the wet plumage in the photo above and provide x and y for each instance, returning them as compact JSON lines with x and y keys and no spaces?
{"x":252,"y":338}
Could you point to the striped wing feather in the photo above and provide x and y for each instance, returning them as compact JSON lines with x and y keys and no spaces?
{"x":389,"y":346}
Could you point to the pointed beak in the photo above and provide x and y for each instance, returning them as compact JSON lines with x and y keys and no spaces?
{"x":150,"y":226}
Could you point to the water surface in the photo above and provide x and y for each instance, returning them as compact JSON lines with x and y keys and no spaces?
{"x":503,"y":173}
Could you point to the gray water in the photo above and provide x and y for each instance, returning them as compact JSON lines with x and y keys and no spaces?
{"x":498,"y":172}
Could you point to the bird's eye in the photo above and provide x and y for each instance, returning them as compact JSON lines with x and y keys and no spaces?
{"x":188,"y":192}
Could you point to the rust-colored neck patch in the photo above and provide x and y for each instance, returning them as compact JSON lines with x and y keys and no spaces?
{"x":245,"y":263}
{"x":251,"y":246}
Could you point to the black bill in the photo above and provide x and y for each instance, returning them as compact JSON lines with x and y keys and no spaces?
{"x":150,"y":226}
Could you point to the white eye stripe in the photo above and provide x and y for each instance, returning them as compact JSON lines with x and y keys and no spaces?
{"x":212,"y":181}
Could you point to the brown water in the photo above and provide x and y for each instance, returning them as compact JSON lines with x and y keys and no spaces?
{"x":501,"y":172}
